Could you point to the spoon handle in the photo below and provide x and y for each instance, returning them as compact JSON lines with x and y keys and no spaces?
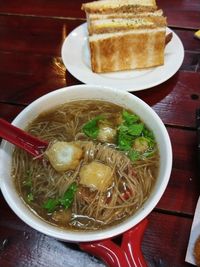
{"x":20,"y":138}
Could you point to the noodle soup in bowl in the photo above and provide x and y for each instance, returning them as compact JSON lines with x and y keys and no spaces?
{"x":119,"y":161}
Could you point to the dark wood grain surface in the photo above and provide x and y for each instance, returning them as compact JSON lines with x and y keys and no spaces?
{"x":31,"y":37}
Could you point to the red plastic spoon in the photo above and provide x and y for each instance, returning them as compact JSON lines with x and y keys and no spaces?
{"x":22,"y":139}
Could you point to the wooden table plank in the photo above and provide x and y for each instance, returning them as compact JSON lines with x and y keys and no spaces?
{"x":42,"y":36}
{"x":186,"y":19}
{"x":23,"y":89}
{"x":61,"y":8}
{"x":180,"y":13}
{"x":176,"y":100}
{"x":9,"y":112}
{"x":190,"y":43}
{"x":164,"y":243}
{"x":164,"y":98}
{"x":182,"y":191}
{"x":45,"y":35}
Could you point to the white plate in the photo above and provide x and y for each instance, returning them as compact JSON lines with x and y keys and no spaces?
{"x":76,"y":58}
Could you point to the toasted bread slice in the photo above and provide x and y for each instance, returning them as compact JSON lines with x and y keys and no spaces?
{"x":120,"y":24}
{"x":113,"y":6}
{"x":125,"y":34}
{"x":126,"y":50}
{"x":126,"y":15}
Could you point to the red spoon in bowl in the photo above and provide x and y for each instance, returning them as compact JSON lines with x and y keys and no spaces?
{"x":129,"y":254}
{"x":22,"y":139}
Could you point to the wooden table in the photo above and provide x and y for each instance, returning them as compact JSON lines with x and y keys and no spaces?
{"x":31,"y":36}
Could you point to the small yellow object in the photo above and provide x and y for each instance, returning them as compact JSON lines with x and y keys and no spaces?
{"x":197,"y":34}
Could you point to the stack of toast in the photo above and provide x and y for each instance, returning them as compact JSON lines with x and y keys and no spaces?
{"x":125,"y":34}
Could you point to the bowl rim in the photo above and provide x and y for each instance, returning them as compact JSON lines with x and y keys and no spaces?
{"x":72,"y":236}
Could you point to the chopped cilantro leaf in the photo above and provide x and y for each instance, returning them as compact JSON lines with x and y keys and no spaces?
{"x":147,"y":133}
{"x":133,"y":155}
{"x":91,"y":128}
{"x":136,"y":129}
{"x":129,"y":118}
{"x":124,"y":141}
{"x":134,"y":137}
{"x":51,"y":204}
{"x":68,"y":197}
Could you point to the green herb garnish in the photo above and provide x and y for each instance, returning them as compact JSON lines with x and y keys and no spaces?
{"x":128,"y":131}
{"x":147,"y":133}
{"x":51,"y":204}
{"x":91,"y":128}
{"x":68,"y":197}
{"x":129,"y":118}
{"x":134,"y":138}
{"x":124,"y":140}
{"x":133,"y":155}
{"x":136,"y":129}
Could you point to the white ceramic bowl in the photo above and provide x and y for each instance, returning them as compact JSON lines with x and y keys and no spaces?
{"x":79,"y":92}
